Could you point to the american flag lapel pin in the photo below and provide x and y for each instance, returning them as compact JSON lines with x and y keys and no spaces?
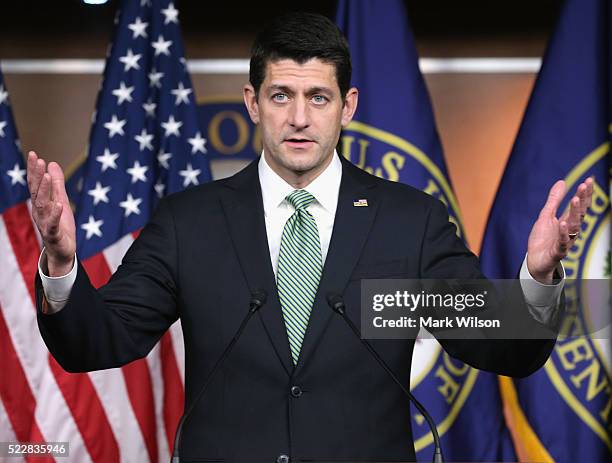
{"x":361,"y":203}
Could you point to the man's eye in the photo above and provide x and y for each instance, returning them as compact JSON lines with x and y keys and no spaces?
{"x":279,"y":97}
{"x":319,"y":99}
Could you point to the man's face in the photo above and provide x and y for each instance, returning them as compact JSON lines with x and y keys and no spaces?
{"x":300,"y":112}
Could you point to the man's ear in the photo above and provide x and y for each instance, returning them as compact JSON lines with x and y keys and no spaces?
{"x":350,"y":106}
{"x":250,"y":101}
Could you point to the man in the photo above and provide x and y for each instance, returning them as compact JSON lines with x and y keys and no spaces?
{"x":298,"y":384}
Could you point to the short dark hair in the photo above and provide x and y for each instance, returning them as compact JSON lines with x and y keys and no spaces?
{"x":301,"y":36}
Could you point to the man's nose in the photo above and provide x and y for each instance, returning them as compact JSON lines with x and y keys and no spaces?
{"x":298,"y":114}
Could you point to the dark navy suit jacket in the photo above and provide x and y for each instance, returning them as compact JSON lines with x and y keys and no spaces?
{"x":199,"y":259}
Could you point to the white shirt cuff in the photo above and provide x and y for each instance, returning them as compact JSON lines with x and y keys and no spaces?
{"x":57,"y":289}
{"x":542,"y":300}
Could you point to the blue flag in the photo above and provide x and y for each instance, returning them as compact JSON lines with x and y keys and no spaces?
{"x":565,"y":134}
{"x":393,"y":135}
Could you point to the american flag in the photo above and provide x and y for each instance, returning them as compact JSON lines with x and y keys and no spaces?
{"x":26,"y":367}
{"x":145,"y":143}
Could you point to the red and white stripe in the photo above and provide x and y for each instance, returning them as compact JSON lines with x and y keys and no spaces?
{"x":118,"y":415}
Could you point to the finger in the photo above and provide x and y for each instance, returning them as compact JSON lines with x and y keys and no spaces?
{"x":573,"y":216}
{"x":581,"y":192}
{"x":586,"y":200}
{"x":52,"y":232}
{"x":43,"y":195}
{"x":32,"y":158}
{"x":39,"y":170}
{"x":563,"y":241}
{"x":40,"y":205}
{"x":555,"y":196}
{"x":58,"y":189}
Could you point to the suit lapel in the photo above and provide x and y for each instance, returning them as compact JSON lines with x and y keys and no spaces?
{"x":351,"y":227}
{"x":243,"y":207}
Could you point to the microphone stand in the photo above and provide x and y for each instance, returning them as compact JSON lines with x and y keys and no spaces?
{"x":336,"y":303}
{"x":258,"y":299}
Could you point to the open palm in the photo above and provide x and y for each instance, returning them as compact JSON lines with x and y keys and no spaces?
{"x":551,"y":237}
{"x":52,"y":214}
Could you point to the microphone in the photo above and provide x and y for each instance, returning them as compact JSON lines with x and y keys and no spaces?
{"x":258,"y":299}
{"x":336,"y":303}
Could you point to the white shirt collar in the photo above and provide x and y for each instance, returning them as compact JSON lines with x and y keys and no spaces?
{"x":325,"y":188}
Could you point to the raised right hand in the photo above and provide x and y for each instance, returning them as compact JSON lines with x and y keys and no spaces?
{"x":52,"y":214}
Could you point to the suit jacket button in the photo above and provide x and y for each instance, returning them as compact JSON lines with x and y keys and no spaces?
{"x":282,"y":459}
{"x":296,"y":391}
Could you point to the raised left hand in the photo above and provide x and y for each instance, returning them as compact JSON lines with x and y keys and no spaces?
{"x":551,"y":238}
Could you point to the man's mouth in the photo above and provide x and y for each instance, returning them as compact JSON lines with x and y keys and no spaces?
{"x":298,"y":142}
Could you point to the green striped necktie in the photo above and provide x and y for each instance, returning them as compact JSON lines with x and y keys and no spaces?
{"x":299,"y":269}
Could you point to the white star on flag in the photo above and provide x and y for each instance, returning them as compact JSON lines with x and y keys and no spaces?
{"x":161,"y":46}
{"x":17,"y":175}
{"x":99,"y":193}
{"x":181,"y":93}
{"x":190,"y":175}
{"x":131,"y":205}
{"x":183,"y":62}
{"x":171,"y":14}
{"x":197,"y":143}
{"x":3,"y":95}
{"x":159,"y":188}
{"x":115,"y":126}
{"x":123,"y":93}
{"x":130,"y":60}
{"x":2,"y":126}
{"x":138,"y":172}
{"x":92,"y":227}
{"x":162,"y":158}
{"x":107,"y":160}
{"x":171,"y":127}
{"x":155,"y":78}
{"x":145,"y":2}
{"x":149,"y":108}
{"x":138,"y":28}
{"x":144,"y":140}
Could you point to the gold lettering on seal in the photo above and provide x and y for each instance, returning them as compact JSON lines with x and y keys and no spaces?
{"x":214,"y":132}
{"x":449,"y":373}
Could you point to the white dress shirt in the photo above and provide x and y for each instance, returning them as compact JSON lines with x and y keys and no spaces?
{"x":542,"y":300}
{"x":277,"y":210}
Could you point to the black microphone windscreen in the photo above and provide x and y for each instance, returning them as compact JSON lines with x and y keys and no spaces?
{"x":336,"y":302}
{"x":258,"y":298}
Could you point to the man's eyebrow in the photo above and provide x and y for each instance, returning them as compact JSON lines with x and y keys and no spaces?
{"x":311,"y":91}
{"x":279,"y":87}
{"x":325,"y":90}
